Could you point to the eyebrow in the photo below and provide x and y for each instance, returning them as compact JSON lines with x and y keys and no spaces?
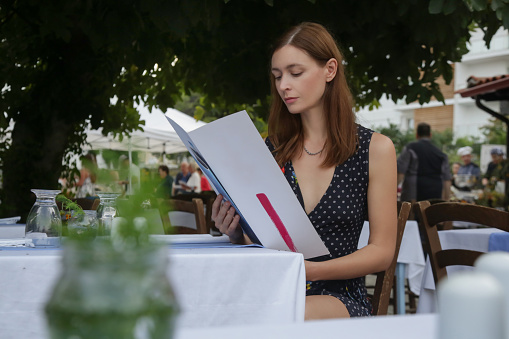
{"x":287,"y":67}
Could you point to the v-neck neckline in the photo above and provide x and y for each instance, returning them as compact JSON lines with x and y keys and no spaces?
{"x":299,"y":193}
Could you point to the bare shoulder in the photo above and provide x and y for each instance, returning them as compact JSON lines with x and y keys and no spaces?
{"x":381,"y":146}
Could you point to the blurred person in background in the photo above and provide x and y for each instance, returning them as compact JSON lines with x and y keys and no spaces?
{"x":423,"y":169}
{"x":164,"y":189}
{"x":193,"y":184}
{"x":181,"y":177}
{"x":496,"y":167}
{"x":205,"y":185}
{"x":469,"y":168}
{"x":455,"y":168}
{"x":88,"y":176}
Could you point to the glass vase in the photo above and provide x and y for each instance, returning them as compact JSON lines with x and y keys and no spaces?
{"x":107,"y":293}
{"x":44,"y":225}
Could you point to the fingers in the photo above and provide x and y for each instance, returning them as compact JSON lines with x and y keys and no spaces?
{"x":216,"y":205}
{"x":225,"y":218}
{"x":233,"y":228}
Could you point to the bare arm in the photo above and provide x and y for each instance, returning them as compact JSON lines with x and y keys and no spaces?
{"x":382,"y":196}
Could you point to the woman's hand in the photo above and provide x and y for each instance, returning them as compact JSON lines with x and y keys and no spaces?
{"x":226,"y":220}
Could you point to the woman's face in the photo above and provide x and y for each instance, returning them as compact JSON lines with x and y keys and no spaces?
{"x":299,"y":80}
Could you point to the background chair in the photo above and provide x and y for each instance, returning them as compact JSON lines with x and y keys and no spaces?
{"x":429,"y":216}
{"x":208,"y":198}
{"x":385,"y":279}
{"x":85,"y":203}
{"x":181,"y":224}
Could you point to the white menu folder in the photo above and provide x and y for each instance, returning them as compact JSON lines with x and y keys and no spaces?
{"x":239,"y":166}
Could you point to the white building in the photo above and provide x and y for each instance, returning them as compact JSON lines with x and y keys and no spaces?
{"x":459,"y":114}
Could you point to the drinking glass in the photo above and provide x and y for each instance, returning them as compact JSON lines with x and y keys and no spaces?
{"x":106,"y":211}
{"x":44,"y":225}
{"x":84,"y":225}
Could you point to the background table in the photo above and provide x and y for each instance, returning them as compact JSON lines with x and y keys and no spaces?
{"x":214,"y":287}
{"x":423,"y":326}
{"x":476,"y":239}
{"x":410,"y":260}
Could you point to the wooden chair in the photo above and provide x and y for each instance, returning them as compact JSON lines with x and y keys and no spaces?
{"x":208,"y":198}
{"x":385,"y":279}
{"x":95,"y":205}
{"x":86,"y":203}
{"x":429,"y":216}
{"x":195,"y":207}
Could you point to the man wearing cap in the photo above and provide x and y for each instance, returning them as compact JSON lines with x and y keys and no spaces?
{"x":468,"y":166}
{"x":497,"y":168}
{"x":423,"y":169}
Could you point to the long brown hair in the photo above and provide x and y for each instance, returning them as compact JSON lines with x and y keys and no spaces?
{"x":285,"y":129}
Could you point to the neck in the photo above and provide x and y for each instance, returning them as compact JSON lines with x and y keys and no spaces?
{"x":314,"y":128}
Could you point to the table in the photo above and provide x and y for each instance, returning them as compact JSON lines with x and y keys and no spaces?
{"x":214,"y":287}
{"x":422,"y":326}
{"x":410,"y":260}
{"x":476,"y":239}
{"x":10,"y":231}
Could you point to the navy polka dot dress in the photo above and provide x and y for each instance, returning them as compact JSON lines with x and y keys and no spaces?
{"x":338,"y":218}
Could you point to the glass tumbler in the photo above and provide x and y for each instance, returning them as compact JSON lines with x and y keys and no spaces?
{"x":106,"y":211}
{"x":44,"y":225}
{"x":84,"y":225}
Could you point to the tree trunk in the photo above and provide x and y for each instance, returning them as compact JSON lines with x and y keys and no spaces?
{"x":34,"y":160}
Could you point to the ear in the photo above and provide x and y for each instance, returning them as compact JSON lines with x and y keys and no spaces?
{"x":331,"y":67}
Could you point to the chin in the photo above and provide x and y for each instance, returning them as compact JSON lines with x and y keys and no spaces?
{"x":293,"y":110}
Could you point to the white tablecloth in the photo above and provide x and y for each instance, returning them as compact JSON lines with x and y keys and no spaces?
{"x":476,"y":239}
{"x":410,"y":253}
{"x":423,"y":326}
{"x":10,"y":231}
{"x":214,"y":286}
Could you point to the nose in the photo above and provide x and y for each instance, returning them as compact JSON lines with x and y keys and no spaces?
{"x":284,"y":83}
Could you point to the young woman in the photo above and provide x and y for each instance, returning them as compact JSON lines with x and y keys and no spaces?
{"x":339,"y":171}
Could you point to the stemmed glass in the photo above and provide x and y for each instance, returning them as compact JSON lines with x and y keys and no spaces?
{"x":44,"y":225}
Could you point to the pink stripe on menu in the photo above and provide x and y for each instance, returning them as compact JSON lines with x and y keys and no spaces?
{"x":276,"y":220}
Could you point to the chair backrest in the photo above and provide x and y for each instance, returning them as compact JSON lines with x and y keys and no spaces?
{"x":429,"y":216}
{"x":208,"y":198}
{"x":195,"y":207}
{"x":95,"y":205}
{"x":85,"y":203}
{"x":385,"y":279}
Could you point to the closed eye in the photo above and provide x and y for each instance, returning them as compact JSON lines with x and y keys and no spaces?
{"x":297,"y":74}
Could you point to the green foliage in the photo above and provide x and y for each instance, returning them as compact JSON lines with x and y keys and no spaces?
{"x":68,"y":205}
{"x":495,"y":132}
{"x":398,"y":137}
{"x":63,"y":61}
{"x":443,"y":140}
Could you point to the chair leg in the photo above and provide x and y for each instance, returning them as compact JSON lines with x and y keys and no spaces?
{"x":395,"y":296}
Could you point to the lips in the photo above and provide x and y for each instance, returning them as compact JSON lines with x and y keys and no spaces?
{"x":290,"y":100}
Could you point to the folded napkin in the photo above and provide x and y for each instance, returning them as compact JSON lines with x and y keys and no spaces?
{"x":19,"y":242}
{"x":8,"y":221}
{"x":499,"y":241}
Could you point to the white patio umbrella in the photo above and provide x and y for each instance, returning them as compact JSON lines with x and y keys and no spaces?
{"x":158,"y":135}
